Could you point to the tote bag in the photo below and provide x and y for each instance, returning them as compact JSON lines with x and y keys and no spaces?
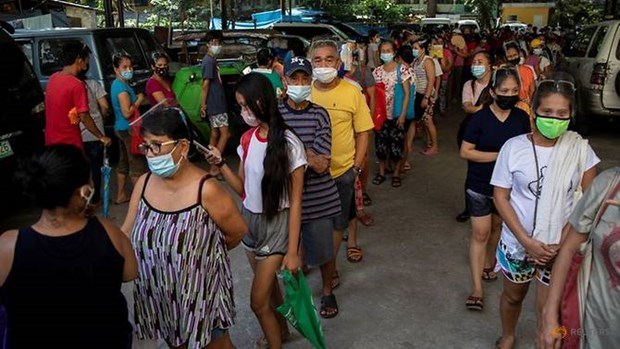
{"x":399,"y":95}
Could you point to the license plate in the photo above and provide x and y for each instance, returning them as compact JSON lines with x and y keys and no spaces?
{"x":5,"y":149}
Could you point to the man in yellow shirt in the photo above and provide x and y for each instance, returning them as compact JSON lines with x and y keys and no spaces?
{"x":351,"y":122}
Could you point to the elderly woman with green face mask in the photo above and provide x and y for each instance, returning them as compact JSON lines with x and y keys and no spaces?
{"x":537,"y":179}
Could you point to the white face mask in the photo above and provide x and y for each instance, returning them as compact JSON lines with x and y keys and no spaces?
{"x":538,"y":51}
{"x":215,"y":49}
{"x":522,"y":60}
{"x":249,"y":118}
{"x":299,"y":93}
{"x":325,"y":75}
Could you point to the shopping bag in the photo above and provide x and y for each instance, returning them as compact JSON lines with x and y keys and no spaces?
{"x":399,"y":95}
{"x":299,"y":309}
{"x":379,"y":115}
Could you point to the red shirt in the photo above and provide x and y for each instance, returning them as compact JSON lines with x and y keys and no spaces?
{"x":64,"y":92}
{"x":152,"y":86}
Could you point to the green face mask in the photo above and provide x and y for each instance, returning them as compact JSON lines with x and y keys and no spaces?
{"x":551,"y":127}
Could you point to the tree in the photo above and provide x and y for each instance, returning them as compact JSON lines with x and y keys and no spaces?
{"x":568,"y":13}
{"x":379,"y":10}
{"x":431,"y":8}
{"x":486,"y":11}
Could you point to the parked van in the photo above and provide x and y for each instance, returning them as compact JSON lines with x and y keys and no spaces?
{"x":471,"y":24}
{"x":434,"y":23}
{"x":309,"y":31}
{"x":22,"y":116}
{"x":593,"y":59}
{"x":43,"y":48}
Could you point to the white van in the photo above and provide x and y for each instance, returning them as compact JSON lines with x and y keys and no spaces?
{"x":434,"y":23}
{"x":473,"y":25}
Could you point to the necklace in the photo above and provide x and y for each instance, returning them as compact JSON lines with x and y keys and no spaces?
{"x":538,"y":189}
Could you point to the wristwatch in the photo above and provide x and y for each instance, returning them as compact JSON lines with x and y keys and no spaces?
{"x":358,"y":170}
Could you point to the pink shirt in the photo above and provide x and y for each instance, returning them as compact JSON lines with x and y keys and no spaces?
{"x":447,"y":54}
{"x":152,"y":86}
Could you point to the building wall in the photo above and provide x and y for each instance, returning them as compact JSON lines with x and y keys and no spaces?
{"x":537,"y":16}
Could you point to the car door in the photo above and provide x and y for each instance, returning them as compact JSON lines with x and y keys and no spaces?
{"x":611,"y":55}
{"x":577,"y":58}
{"x":113,"y":41}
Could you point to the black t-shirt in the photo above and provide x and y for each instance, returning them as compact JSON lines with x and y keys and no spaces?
{"x":489,"y":134}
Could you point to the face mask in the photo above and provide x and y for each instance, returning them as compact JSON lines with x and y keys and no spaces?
{"x":249,"y":118}
{"x":215,"y":49}
{"x":506,"y":102}
{"x":325,"y":75}
{"x":299,"y":93}
{"x":478,"y":70}
{"x":163,"y":72}
{"x":415,"y":53}
{"x":88,"y":197}
{"x":127,"y":74}
{"x":522,"y":60}
{"x":551,"y":127}
{"x":163,"y":165}
{"x":387,"y":57}
{"x":538,"y":51}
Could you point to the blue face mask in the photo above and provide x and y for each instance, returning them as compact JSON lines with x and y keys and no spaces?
{"x":127,"y":74}
{"x":299,"y":93}
{"x":415,"y":53}
{"x":387,"y":57}
{"x":478,"y":70}
{"x":163,"y":165}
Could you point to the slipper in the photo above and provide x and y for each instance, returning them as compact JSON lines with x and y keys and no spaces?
{"x":121,"y":202}
{"x":488,"y":274}
{"x":365,"y":218}
{"x":335,"y":280}
{"x":407,"y":166}
{"x":396,"y":182}
{"x":329,"y":306}
{"x":378,"y":179}
{"x":354,"y":254}
{"x":366,"y":199}
{"x":474,"y":303}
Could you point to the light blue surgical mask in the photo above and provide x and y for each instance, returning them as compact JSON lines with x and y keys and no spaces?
{"x":127,"y":74}
{"x":415,"y":53}
{"x":478,"y":71}
{"x":163,"y":165}
{"x":387,"y":57}
{"x":299,"y":93}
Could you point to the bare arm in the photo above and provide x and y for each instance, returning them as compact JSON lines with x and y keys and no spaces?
{"x":587,"y":178}
{"x":7,"y":252}
{"x":371,"y":96}
{"x":104,"y":107}
{"x":469,"y":152}
{"x":132,"y":210}
{"x":221,"y":207}
{"x":469,"y":108}
{"x":204,"y":95}
{"x":403,"y":113}
{"x":159,"y":96}
{"x":123,"y":246}
{"x":291,"y":259}
{"x":361,"y":147}
{"x":90,"y":125}
{"x":128,"y":109}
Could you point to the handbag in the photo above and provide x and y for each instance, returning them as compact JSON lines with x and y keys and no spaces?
{"x":134,"y":130}
{"x":399,"y":95}
{"x":577,"y":280}
{"x":379,"y":115}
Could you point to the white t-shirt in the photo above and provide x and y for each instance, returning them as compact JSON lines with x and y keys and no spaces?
{"x":544,"y":63}
{"x":254,"y":171}
{"x":516,"y":169}
{"x":94,"y":91}
{"x":438,"y":70}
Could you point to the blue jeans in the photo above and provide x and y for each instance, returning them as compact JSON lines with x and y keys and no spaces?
{"x":94,"y":154}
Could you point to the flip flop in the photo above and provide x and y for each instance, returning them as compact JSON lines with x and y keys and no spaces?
{"x":366,"y":199}
{"x":378,"y":179}
{"x":354,"y":254}
{"x":474,"y":303}
{"x":329,"y":306}
{"x":488,"y":274}
{"x":396,"y":182}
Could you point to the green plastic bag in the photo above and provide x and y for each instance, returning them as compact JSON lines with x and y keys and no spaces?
{"x":299,"y":309}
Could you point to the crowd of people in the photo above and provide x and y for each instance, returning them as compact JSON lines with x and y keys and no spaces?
{"x":303,"y":169}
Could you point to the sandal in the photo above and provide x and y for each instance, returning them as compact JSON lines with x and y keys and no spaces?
{"x":498,"y":343}
{"x":430,"y":152}
{"x":366,"y":199}
{"x":354,"y":254}
{"x":474,"y":303}
{"x":329,"y":306}
{"x":396,"y":182}
{"x":378,"y":179}
{"x":335,"y":280}
{"x":488,"y":274}
{"x":407,"y":166}
{"x":365,"y":218}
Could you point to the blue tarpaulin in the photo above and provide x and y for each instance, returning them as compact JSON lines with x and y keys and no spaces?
{"x":263,"y":20}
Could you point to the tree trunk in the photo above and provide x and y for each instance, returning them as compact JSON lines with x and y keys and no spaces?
{"x":431,"y":8}
{"x":224,"y":14}
{"x":611,"y":9}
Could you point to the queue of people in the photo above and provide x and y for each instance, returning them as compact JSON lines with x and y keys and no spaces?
{"x":300,"y":179}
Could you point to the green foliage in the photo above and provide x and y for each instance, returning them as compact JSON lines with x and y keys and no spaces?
{"x":568,"y":13}
{"x":486,"y":11}
{"x":379,"y":10}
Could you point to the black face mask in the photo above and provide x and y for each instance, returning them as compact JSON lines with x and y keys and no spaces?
{"x":506,"y":102}
{"x":515,"y":61}
{"x":163,"y":72}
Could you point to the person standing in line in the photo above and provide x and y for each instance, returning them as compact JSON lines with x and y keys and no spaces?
{"x":265,"y":60}
{"x":66,"y":100}
{"x":483,"y":138}
{"x":320,"y":201}
{"x":182,"y":224}
{"x":372,"y":58}
{"x":351,"y":122}
{"x":159,"y":85}
{"x":213,"y":98}
{"x":98,"y":108}
{"x":425,"y":74}
{"x":60,"y":278}
{"x":125,"y":104}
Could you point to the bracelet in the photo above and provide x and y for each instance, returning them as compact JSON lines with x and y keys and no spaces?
{"x":221,"y":163}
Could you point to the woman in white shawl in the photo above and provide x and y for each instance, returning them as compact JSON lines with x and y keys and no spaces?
{"x":537,"y":178}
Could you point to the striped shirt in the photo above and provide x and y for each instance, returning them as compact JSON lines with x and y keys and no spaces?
{"x":320,"y":196}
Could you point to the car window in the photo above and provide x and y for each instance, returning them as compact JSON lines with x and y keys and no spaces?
{"x":598,"y":41}
{"x":306,"y":32}
{"x":26,"y":47}
{"x":580,"y":46}
{"x":118,"y":43}
{"x":150,"y":46}
{"x":50,"y":54}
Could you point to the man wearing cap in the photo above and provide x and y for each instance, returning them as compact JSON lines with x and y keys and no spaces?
{"x":350,"y":124}
{"x":320,"y":200}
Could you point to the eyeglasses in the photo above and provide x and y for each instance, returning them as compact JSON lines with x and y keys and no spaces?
{"x":558,"y":84}
{"x":154,"y":147}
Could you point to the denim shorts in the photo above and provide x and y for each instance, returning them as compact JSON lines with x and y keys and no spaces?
{"x":479,"y":205}
{"x":317,"y":238}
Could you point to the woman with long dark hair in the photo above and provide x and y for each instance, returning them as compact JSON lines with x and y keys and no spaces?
{"x":270,"y":180}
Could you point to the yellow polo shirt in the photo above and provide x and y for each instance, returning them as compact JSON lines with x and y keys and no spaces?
{"x":349,"y":114}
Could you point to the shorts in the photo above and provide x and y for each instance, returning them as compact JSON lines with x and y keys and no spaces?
{"x":479,"y":205}
{"x":520,"y":271}
{"x":266,"y":238}
{"x":389,"y":141}
{"x":317,"y":241}
{"x":128,"y":163}
{"x":346,"y":189}
{"x":218,"y":120}
{"x":419,"y":111}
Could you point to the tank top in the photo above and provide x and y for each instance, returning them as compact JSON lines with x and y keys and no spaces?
{"x":65,"y":291}
{"x":420,"y":75}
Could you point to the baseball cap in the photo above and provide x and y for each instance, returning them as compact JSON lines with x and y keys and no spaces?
{"x":536,"y":43}
{"x":297,"y":63}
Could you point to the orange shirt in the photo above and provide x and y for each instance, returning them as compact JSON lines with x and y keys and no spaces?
{"x":528,"y":85}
